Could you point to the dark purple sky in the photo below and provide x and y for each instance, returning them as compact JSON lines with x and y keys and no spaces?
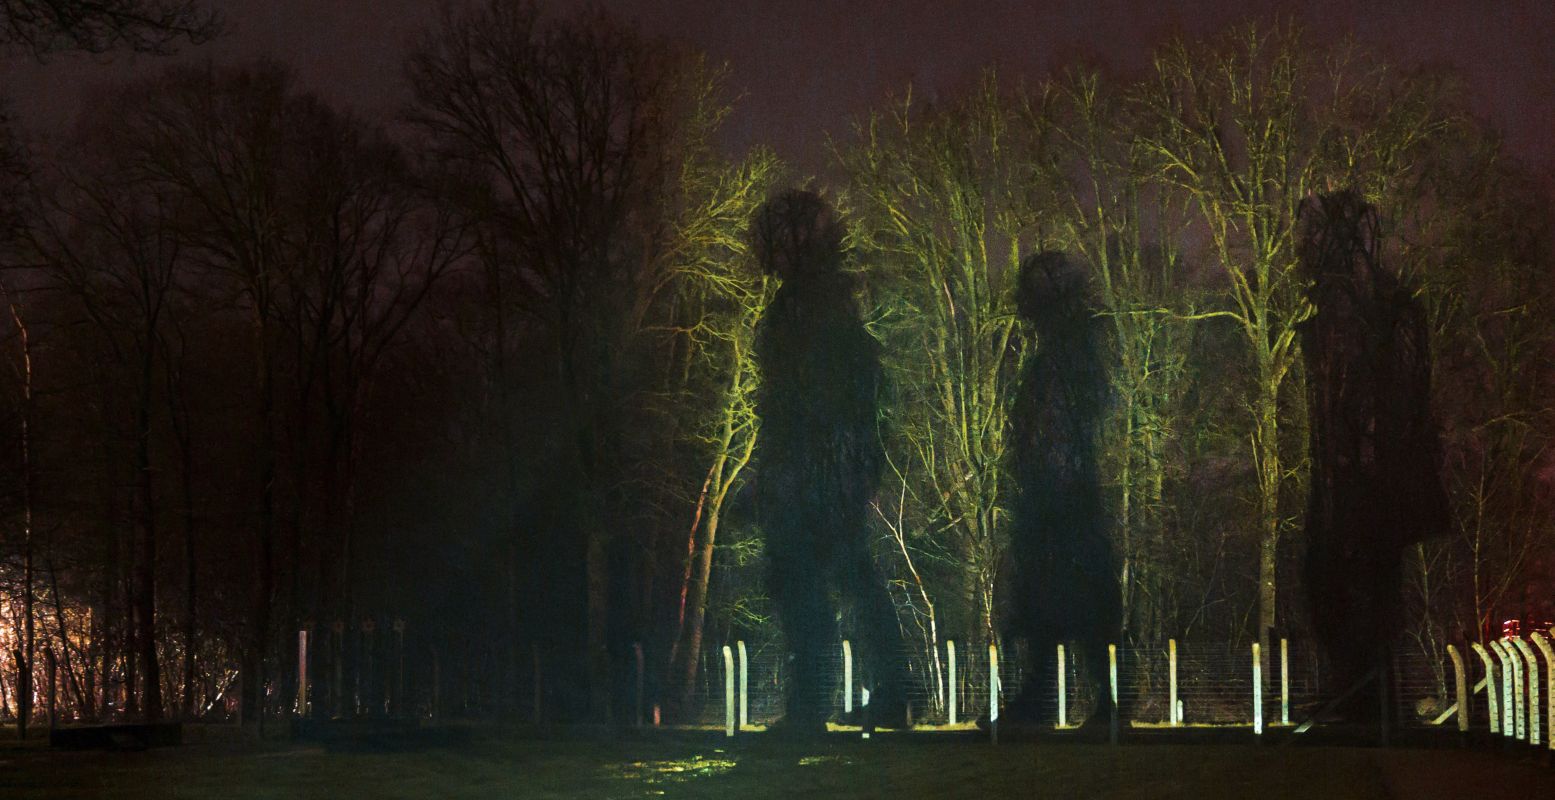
{"x":809,"y":66}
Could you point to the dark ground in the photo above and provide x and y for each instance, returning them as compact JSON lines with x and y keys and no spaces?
{"x":756,"y":766}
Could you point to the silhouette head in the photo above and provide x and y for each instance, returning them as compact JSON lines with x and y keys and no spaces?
{"x":1053,"y":291}
{"x":796,"y":234}
{"x":1339,"y":234}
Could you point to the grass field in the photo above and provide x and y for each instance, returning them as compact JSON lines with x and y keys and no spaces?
{"x":760,"y":767}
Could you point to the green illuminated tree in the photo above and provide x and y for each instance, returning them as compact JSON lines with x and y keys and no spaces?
{"x":943,"y":205}
{"x":1126,"y":229}
{"x":722,"y":297}
{"x":1229,"y":126}
{"x":1244,"y":130}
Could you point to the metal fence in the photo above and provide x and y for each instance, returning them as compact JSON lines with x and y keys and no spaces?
{"x":1506,"y":689}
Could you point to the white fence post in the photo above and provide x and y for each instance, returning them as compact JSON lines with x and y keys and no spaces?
{"x":302,"y":673}
{"x":1112,"y":679}
{"x":728,"y":691}
{"x":847,"y":677}
{"x":1171,"y":682}
{"x":1543,"y":643}
{"x":1533,"y":687}
{"x":1518,"y":695}
{"x":993,"y":693}
{"x":1490,"y":686}
{"x":955,"y":687}
{"x":1460,"y":684}
{"x":1063,"y":694}
{"x":1519,"y":699}
{"x":1511,"y":705}
{"x":744,"y":685}
{"x":1257,"y":692}
{"x":1284,"y":681}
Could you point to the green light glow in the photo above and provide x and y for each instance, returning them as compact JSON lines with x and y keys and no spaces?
{"x":810,"y":761}
{"x":673,"y":770}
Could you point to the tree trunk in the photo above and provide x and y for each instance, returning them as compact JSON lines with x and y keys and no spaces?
{"x":83,"y":700}
{"x":688,"y":569}
{"x":589,"y":440}
{"x":129,"y":653}
{"x":190,"y":580}
{"x":254,"y":675}
{"x":178,"y":415}
{"x":1266,"y":435}
{"x":104,"y":622}
{"x":690,"y":648}
{"x":146,"y":563}
{"x":597,"y":574}
{"x":25,"y":662}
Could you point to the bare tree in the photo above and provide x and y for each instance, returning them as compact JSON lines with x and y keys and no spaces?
{"x":1230,"y":128}
{"x":234,"y":150}
{"x":945,"y":207}
{"x":110,"y":243}
{"x":24,"y":656}
{"x":97,"y":26}
{"x":377,"y":245}
{"x":571,"y":129}
{"x":1116,"y":219}
{"x":723,"y":295}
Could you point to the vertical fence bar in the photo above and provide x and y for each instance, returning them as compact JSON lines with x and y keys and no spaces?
{"x":744,"y":685}
{"x":847,"y":677}
{"x":1508,"y":716}
{"x":1543,"y":643}
{"x":1257,"y":692}
{"x":1519,"y":709}
{"x":728,"y":691}
{"x":1519,"y":698}
{"x":437,"y":686}
{"x":993,"y":693}
{"x":302,"y":673}
{"x":399,"y":670}
{"x":955,"y":687}
{"x":1063,"y":693}
{"x":1284,"y":681}
{"x":1460,"y":684}
{"x":338,"y":627}
{"x":1502,"y":687}
{"x":539,"y":684}
{"x":1112,"y":679}
{"x":637,"y":657}
{"x":1490,"y":686}
{"x":1171,"y":682}
{"x":1384,"y":701}
{"x":1533,"y":688}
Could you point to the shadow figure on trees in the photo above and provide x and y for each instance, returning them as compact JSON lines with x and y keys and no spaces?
{"x":819,"y":460}
{"x":1064,"y":584}
{"x":1376,"y":452}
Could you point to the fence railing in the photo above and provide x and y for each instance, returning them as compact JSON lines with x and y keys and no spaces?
{"x":1503,"y":688}
{"x":1506,"y":688}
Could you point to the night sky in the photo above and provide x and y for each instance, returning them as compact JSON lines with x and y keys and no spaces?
{"x":808,"y":68}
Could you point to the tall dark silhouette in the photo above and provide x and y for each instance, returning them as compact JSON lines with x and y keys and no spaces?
{"x":819,"y":458}
{"x":1376,"y":454}
{"x":1064,"y":584}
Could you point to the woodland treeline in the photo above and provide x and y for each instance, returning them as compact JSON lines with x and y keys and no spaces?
{"x":486,"y":367}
